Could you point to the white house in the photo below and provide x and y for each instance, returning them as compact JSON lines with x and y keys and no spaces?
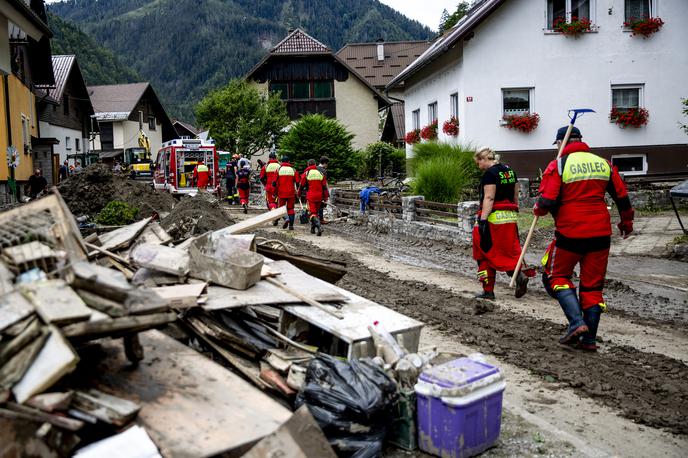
{"x":505,"y":57}
{"x":124,"y":111}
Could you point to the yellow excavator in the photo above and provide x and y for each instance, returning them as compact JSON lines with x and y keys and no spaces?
{"x":139,"y":159}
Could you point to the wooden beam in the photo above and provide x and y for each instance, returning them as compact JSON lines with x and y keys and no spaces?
{"x":127,"y":323}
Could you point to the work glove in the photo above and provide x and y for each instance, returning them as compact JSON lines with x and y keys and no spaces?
{"x":274,"y":184}
{"x":537,"y":211}
{"x":626,"y":224}
{"x":485,"y":235}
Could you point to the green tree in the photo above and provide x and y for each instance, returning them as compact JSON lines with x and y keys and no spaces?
{"x":241,"y":118}
{"x":383,"y":159}
{"x":314,"y":136}
{"x":450,"y":20}
{"x":685,"y":113}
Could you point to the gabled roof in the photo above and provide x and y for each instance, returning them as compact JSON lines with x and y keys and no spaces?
{"x":362,"y":57}
{"x":299,"y":42}
{"x":475,"y":16}
{"x":184,"y":125}
{"x":62,"y":68}
{"x":116,"y":98}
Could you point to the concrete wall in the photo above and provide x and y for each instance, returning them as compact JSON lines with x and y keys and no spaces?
{"x":22,"y":102}
{"x":357,"y":110}
{"x":512,"y":49}
{"x":61,"y":133}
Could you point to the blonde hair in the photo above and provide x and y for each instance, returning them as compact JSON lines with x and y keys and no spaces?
{"x":486,"y":153}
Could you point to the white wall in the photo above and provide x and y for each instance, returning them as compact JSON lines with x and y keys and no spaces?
{"x":357,"y":110}
{"x":511,"y":49}
{"x":60,"y":133}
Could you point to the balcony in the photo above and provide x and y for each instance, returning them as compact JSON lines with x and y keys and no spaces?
{"x":326,"y":107}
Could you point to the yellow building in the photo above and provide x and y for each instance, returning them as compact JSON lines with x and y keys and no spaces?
{"x":25,"y":67}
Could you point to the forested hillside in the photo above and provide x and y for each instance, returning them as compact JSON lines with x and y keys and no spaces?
{"x":98,"y":65}
{"x":188,"y":47}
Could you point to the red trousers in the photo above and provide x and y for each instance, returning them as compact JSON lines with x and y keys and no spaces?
{"x":559,"y":264}
{"x":270,"y":198}
{"x":314,"y":207}
{"x":243,"y":195}
{"x":289,"y":202}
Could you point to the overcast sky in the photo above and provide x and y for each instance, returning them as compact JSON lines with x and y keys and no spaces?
{"x":426,"y":12}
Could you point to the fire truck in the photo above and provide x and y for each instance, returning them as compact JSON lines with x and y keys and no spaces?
{"x":176,"y":162}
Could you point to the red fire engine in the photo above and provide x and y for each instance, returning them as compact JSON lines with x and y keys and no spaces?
{"x":175,"y":163}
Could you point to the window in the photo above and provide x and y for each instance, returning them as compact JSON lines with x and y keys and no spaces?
{"x":65,"y":104}
{"x":415,"y":119}
{"x":454,"y":104}
{"x":630,"y":164}
{"x":432,"y":112}
{"x":282,"y":88}
{"x":77,"y":145}
{"x":568,"y":9}
{"x":151,"y":123}
{"x":516,"y":101}
{"x":322,"y":90}
{"x":68,"y":143}
{"x":637,"y":9}
{"x":625,"y":98}
{"x":300,"y":90}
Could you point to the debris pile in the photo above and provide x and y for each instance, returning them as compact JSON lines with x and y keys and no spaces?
{"x":89,"y":191}
{"x":195,"y":216}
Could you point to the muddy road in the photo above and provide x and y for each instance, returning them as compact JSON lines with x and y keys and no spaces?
{"x":640,"y":372}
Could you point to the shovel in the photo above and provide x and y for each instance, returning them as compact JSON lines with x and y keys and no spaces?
{"x":576,"y":112}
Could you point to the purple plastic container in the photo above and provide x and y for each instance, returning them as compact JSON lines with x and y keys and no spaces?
{"x":459,"y":408}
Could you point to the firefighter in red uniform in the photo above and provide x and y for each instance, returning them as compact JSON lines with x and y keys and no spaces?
{"x":573,"y":189}
{"x":268,"y":176}
{"x":496,"y":246}
{"x":243,"y":184}
{"x":315,"y":185}
{"x":201,"y":175}
{"x":285,"y":188}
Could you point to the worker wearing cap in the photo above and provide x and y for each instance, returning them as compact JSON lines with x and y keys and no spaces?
{"x":201,"y":175}
{"x":268,"y":176}
{"x":572,"y":190}
{"x":285,"y":188}
{"x":315,"y":185}
{"x":496,"y":246}
{"x":243,"y":184}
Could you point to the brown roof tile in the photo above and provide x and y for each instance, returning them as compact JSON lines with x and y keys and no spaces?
{"x":299,"y":42}
{"x":398,"y":55}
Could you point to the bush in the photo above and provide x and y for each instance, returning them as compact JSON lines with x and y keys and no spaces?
{"x":382,"y":155}
{"x":314,"y":136}
{"x":117,"y":213}
{"x":444,"y":173}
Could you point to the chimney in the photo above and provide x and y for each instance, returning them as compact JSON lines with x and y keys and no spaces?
{"x":380,"y":49}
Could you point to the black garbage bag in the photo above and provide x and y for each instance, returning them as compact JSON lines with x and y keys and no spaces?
{"x":352,"y":402}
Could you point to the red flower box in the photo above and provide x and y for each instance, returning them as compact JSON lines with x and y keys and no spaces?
{"x":451,"y":127}
{"x":412,"y":137}
{"x":573,"y":28}
{"x":525,"y":123}
{"x":645,"y":26}
{"x":635,"y":117}
{"x":429,"y":132}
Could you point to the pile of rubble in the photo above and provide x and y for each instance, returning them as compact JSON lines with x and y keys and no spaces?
{"x":90,"y":190}
{"x":66,"y":385}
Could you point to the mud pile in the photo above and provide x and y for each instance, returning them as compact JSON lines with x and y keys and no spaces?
{"x":88,"y":191}
{"x":194,"y":216}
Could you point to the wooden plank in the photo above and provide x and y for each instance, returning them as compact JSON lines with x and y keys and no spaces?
{"x":436,"y":205}
{"x":50,"y":402}
{"x":427,"y":211}
{"x":155,"y":234}
{"x":39,"y":416}
{"x":102,"y":304}
{"x":234,"y":414}
{"x":305,"y":298}
{"x":6,"y":279}
{"x":13,"y":308}
{"x":101,"y":280}
{"x":97,"y":329}
{"x":14,"y":369}
{"x":252,"y":223}
{"x":122,"y":237}
{"x":28,"y":253}
{"x":55,"y":302}
{"x":9,"y":349}
{"x":106,"y":408}
{"x":426,"y":219}
{"x":56,"y":359}
{"x":181,"y":296}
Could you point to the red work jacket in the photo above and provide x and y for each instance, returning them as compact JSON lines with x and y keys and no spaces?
{"x":268,"y":174}
{"x":315,"y":184}
{"x":573,"y":189}
{"x":287,"y":180}
{"x":201,"y":175}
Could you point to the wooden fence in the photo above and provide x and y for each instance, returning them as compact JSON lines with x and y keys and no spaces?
{"x":436,"y":212}
{"x":378,"y":203}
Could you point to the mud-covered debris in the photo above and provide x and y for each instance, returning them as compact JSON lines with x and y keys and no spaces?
{"x":195,"y":216}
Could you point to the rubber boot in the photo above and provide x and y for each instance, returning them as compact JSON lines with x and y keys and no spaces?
{"x":489,"y":295}
{"x":245,"y":208}
{"x":276,"y":222}
{"x":291,"y":222}
{"x":521,"y":285}
{"x":312,"y":226}
{"x":588,"y":341}
{"x":318,"y":228}
{"x":569,"y":304}
{"x":286,"y":222}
